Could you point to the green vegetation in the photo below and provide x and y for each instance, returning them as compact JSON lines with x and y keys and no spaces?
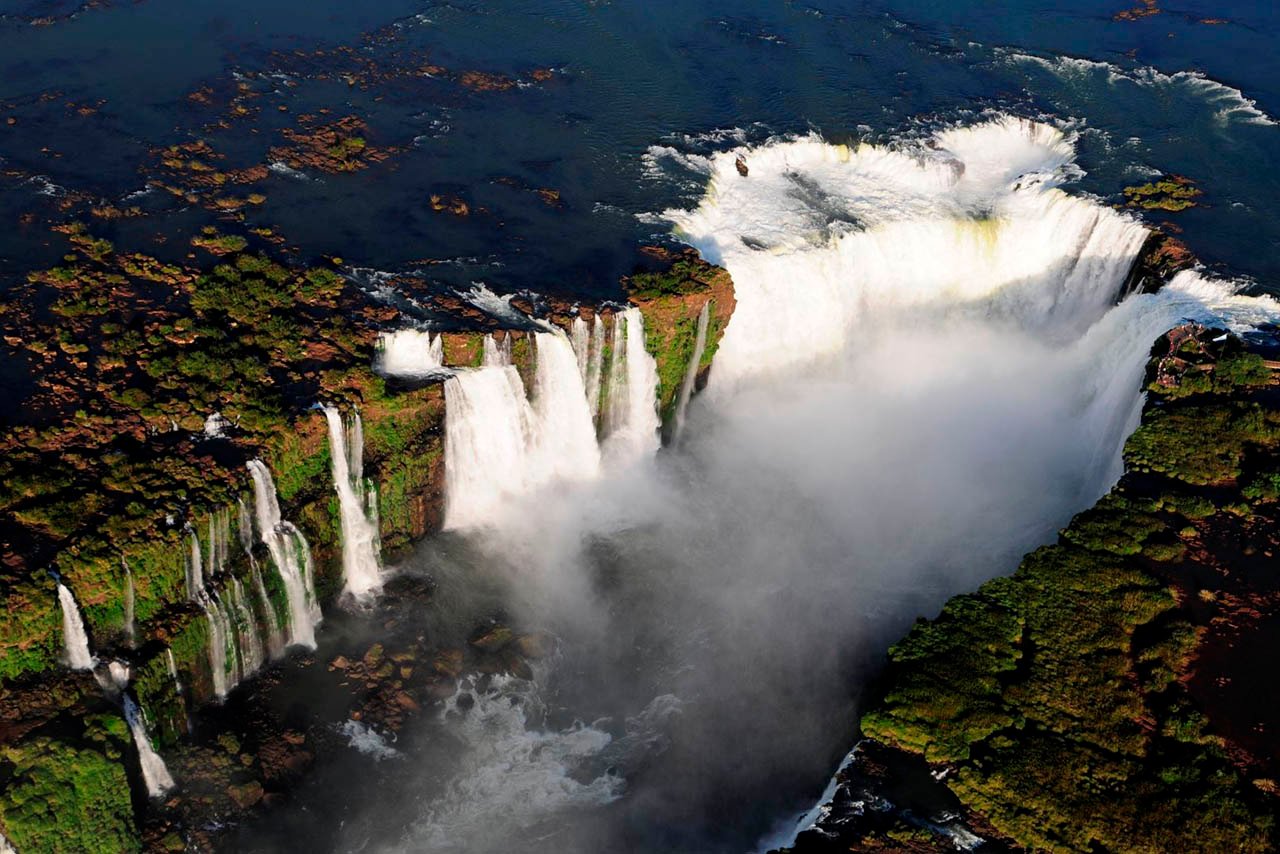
{"x":70,"y":794}
{"x":1057,"y":693}
{"x":1171,"y":193}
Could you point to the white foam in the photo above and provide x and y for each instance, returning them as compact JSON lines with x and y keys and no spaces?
{"x":368,"y":741}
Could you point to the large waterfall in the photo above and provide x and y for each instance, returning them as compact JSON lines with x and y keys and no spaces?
{"x":291,"y":555}
{"x":74,"y":638}
{"x":361,"y":564}
{"x":931,"y":367}
{"x":501,"y":442}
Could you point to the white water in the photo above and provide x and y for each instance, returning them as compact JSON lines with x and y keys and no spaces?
{"x":515,"y":772}
{"x":154,"y":773}
{"x":499,"y":444}
{"x":691,"y":373}
{"x":926,"y":375}
{"x":290,"y":554}
{"x":74,"y":638}
{"x":361,"y":561}
{"x":631,"y":412}
{"x":130,"y":630}
{"x":496,"y":353}
{"x":409,"y":353}
{"x":822,"y":238}
{"x":368,"y":741}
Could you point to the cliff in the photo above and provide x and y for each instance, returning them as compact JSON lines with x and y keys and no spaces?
{"x":1111,"y":694}
{"x":115,"y":468}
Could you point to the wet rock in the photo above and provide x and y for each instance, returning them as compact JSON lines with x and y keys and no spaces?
{"x":493,"y":639}
{"x":246,"y":795}
{"x":449,"y":663}
{"x":535,"y":645}
{"x":339,"y":663}
{"x":741,"y":165}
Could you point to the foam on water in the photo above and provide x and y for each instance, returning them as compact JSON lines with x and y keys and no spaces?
{"x":1229,"y":104}
{"x":515,"y":773}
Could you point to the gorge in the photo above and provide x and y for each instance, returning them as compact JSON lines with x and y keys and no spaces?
{"x":665,"y":647}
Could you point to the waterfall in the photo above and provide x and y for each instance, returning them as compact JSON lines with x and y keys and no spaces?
{"x":291,"y":555}
{"x":588,"y":347}
{"x":824,"y":237}
{"x":691,"y":372}
{"x":173,"y":669}
{"x":274,"y":640}
{"x":361,"y":565}
{"x":409,"y":353}
{"x":219,"y":637}
{"x":631,"y":409}
{"x":195,"y":567}
{"x":499,"y":444}
{"x":75,"y":639}
{"x":496,"y":353}
{"x":565,"y":436}
{"x":130,"y":630}
{"x":248,"y":645}
{"x":154,"y":773}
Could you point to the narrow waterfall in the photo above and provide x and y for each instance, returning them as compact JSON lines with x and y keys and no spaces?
{"x":248,"y":644}
{"x":588,"y":347}
{"x":499,"y":444}
{"x":173,"y":669}
{"x":75,"y":639}
{"x":291,"y":555}
{"x":565,"y":436}
{"x":361,"y":564}
{"x":130,"y":595}
{"x":496,"y":353}
{"x":220,"y":662}
{"x":195,"y":567}
{"x":409,"y":353}
{"x":631,"y":408}
{"x":275,"y":640}
{"x":691,"y":372}
{"x":154,"y":773}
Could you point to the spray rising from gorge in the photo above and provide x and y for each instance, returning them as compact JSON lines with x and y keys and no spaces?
{"x":928,"y":337}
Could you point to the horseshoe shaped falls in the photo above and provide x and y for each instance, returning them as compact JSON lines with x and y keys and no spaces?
{"x":618,"y":427}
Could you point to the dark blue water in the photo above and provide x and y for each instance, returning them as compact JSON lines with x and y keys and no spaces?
{"x":627,"y":76}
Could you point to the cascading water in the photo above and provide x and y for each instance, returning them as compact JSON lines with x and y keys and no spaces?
{"x":130,"y":630}
{"x":74,"y":638}
{"x":820,"y":236}
{"x":496,"y":353}
{"x":291,"y":555}
{"x":274,"y":640}
{"x":409,"y":353}
{"x":691,"y":373}
{"x":631,"y":413}
{"x":154,"y":773}
{"x":361,"y":565}
{"x":498,"y":444}
{"x":925,"y":376}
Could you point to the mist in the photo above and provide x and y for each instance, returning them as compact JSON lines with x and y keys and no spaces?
{"x":885,"y":428}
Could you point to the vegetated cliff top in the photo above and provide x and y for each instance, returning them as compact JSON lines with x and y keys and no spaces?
{"x":1114,"y":693}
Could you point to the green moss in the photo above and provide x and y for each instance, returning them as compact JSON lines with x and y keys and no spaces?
{"x":70,"y":795}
